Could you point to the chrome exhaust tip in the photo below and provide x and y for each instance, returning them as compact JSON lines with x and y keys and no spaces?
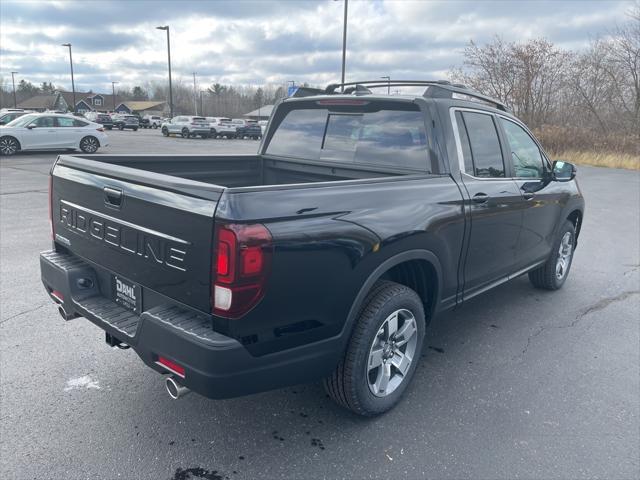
{"x":67,"y":316}
{"x":174,"y":389}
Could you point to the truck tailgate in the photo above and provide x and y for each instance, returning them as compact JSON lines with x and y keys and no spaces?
{"x":151,"y":230}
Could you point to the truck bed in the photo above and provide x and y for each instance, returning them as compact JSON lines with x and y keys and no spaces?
{"x":238,"y":170}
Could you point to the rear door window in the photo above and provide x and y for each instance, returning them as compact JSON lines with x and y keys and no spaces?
{"x":394,"y":138}
{"x":484,"y":146}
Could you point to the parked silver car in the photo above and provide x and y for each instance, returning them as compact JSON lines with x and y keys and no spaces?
{"x":187,"y":127}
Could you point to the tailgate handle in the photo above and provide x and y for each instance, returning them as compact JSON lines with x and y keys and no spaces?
{"x":113,"y":197}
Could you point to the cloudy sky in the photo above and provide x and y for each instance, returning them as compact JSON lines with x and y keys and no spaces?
{"x":259,"y":42}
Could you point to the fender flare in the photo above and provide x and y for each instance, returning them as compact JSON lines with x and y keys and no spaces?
{"x":390,"y":262}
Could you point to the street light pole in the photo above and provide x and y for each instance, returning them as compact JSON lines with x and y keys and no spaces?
{"x":113,"y":89}
{"x":344,"y":42}
{"x":166,"y":27}
{"x":388,"y":84}
{"x":13,"y":81}
{"x":195,"y":101}
{"x":73,"y":85}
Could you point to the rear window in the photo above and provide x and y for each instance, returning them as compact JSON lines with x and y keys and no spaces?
{"x":393,"y":138}
{"x":199,"y":119}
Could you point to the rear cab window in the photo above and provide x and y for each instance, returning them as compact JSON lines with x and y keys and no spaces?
{"x":357,"y":132}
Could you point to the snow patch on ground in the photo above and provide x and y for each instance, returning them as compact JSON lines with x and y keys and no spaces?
{"x":82,"y":382}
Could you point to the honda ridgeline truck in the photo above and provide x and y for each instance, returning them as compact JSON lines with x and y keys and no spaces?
{"x":325,"y":255}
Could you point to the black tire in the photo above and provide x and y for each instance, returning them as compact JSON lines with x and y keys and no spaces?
{"x":204,"y":135}
{"x":213,"y":133}
{"x":121,"y":127}
{"x":155,"y":126}
{"x":135,"y":129}
{"x":9,"y":146}
{"x":89,"y":144}
{"x":185,"y":133}
{"x":165,"y":131}
{"x":348,"y":385}
{"x":547,"y":276}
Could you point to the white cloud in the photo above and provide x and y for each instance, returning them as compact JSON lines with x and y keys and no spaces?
{"x":273,"y":42}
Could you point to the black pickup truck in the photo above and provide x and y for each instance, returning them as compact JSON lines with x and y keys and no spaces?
{"x":325,"y":255}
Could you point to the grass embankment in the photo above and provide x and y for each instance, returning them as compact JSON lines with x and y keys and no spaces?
{"x":599,"y":159}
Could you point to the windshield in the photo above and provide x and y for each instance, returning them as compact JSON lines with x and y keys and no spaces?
{"x":22,"y":121}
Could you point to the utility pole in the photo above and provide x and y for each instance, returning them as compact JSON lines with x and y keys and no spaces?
{"x":166,"y":27}
{"x":113,"y":89}
{"x":344,"y":42}
{"x":195,"y":101}
{"x":388,"y":84}
{"x":13,"y":80}
{"x":73,"y":85}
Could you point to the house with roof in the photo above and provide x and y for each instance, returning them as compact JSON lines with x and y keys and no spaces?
{"x":262,"y":113}
{"x":40,"y":103}
{"x":88,"y":101}
{"x":145,"y":107}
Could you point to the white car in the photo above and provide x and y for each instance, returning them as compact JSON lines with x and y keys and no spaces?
{"x":50,"y":131}
{"x":155,"y":121}
{"x":186,"y":126}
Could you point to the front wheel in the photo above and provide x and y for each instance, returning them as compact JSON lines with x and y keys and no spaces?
{"x":554,"y":272}
{"x":383,"y":352}
{"x":185,"y":133}
{"x":9,"y":146}
{"x":135,"y":129}
{"x":120,"y":127}
{"x":165,"y":131}
{"x":89,"y":144}
{"x":155,"y":126}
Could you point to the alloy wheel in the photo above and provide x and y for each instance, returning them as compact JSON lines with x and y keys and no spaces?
{"x":565,"y":251}
{"x":391,"y":353}
{"x":8,"y":146}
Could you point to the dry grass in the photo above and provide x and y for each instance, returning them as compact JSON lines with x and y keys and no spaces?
{"x":598,"y":159}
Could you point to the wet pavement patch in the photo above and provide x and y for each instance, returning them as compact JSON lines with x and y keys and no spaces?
{"x":196,"y":473}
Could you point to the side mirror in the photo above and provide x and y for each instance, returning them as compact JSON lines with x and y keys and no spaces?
{"x":563,"y":171}
{"x":31,"y":127}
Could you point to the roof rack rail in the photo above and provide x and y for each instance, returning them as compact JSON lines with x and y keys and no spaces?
{"x":435,"y":89}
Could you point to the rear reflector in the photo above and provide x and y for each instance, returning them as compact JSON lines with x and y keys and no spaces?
{"x":171,"y":366}
{"x":57,"y":295}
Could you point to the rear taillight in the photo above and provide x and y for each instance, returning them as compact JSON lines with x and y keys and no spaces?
{"x":242,"y":261}
{"x":51,"y":206}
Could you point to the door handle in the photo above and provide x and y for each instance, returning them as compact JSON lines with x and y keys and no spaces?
{"x":480,"y":198}
{"x":113,"y":197}
{"x":528,"y":195}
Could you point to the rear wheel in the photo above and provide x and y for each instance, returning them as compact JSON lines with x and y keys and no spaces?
{"x":9,"y":145}
{"x":554,"y":272}
{"x":155,"y":125}
{"x":89,"y":144}
{"x":135,"y":129}
{"x":205,"y":135}
{"x":120,"y":127}
{"x":383,"y":351}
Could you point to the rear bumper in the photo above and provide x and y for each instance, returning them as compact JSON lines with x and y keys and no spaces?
{"x":216,"y":366}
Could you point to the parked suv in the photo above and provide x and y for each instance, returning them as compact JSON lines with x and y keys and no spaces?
{"x":251,"y":130}
{"x":187,"y":127}
{"x":322,"y":256}
{"x":121,"y":122}
{"x":154,"y":121}
{"x":215,"y":124}
{"x":101,"y":118}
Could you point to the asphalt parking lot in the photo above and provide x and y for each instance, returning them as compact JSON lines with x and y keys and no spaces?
{"x":518,"y":383}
